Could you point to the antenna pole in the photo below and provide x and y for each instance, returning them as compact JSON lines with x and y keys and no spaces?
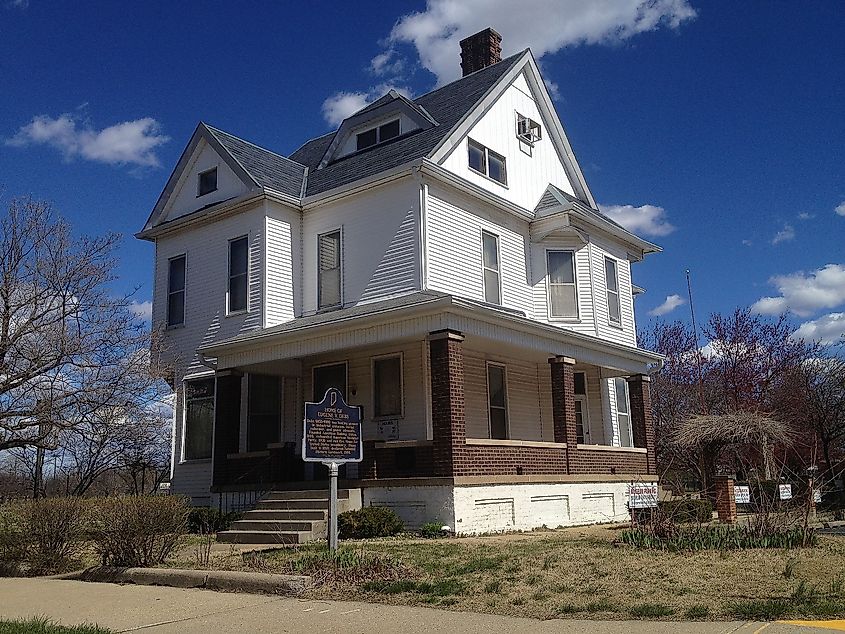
{"x":701,"y":401}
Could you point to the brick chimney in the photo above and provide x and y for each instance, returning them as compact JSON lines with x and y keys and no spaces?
{"x":480,"y":51}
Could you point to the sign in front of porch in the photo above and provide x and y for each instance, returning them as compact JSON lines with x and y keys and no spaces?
{"x":332,"y":431}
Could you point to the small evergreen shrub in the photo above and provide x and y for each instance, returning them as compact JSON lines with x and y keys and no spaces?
{"x":204,"y":520}
{"x":432,"y":530}
{"x":687,"y":511}
{"x":370,"y":521}
{"x":138,"y":530}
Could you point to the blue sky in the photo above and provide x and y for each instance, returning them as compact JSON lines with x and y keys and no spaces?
{"x":716,"y":129}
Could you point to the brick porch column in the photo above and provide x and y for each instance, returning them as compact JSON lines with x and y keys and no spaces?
{"x":642,"y":421}
{"x":725,"y":499}
{"x":448,"y":421}
{"x":563,"y":406}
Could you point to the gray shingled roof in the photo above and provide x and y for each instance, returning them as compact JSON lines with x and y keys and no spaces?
{"x":447,"y":105}
{"x":269,"y":169}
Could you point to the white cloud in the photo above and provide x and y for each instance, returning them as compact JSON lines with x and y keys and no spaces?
{"x":127,"y":143}
{"x":142,"y":310}
{"x":803,"y":294}
{"x":804,"y":215}
{"x":747,"y":243}
{"x":671,"y":303}
{"x":826,"y":330}
{"x":18,"y":4}
{"x":840,"y":208}
{"x":342,"y":104}
{"x":784,"y":235}
{"x":648,"y":220}
{"x":546,"y":26}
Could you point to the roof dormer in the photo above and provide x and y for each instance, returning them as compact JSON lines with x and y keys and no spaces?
{"x":389,"y":117}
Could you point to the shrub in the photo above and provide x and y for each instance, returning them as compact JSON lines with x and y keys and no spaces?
{"x":686,"y":511}
{"x":14,"y":540}
{"x":138,"y":530}
{"x":432,"y":530}
{"x":203,"y":520}
{"x":56,"y":528}
{"x":370,"y":521}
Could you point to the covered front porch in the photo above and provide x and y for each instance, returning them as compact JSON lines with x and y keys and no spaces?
{"x":451,"y":391}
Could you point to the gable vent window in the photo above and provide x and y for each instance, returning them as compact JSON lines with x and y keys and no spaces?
{"x":329,"y":272}
{"x":487,"y":162}
{"x":528,"y":130}
{"x":207,"y":182}
{"x":238,"y":274}
{"x":380,"y":134}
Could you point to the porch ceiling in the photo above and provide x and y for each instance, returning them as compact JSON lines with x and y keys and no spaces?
{"x":412,"y":317}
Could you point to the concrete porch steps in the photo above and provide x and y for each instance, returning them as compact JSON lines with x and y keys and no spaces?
{"x":288,"y":517}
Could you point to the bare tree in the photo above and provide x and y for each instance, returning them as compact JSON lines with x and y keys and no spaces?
{"x":68,"y":347}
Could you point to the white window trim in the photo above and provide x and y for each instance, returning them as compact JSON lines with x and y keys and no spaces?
{"x":626,"y":413}
{"x":167,"y":323}
{"x":377,"y":128}
{"x":519,"y":116}
{"x":610,"y":320}
{"x":507,"y":399}
{"x":485,"y":268}
{"x":184,"y":408}
{"x":487,"y":151}
{"x":345,"y":364}
{"x":390,"y":355}
{"x":338,"y":229}
{"x":577,"y":318}
{"x":216,"y":184}
{"x":229,"y":312}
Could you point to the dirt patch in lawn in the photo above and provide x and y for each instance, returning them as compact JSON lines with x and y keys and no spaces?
{"x":576,"y":573}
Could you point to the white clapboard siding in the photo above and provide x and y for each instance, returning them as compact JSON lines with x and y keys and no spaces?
{"x":207,"y":269}
{"x":626,"y":334}
{"x":412,"y":426}
{"x":453,"y":254}
{"x":525,"y":418}
{"x":282,"y":239}
{"x":527,"y":175}
{"x":540,"y":279}
{"x":184,"y":199}
{"x":379,"y":251}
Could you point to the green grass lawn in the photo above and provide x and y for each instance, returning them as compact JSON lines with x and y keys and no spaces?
{"x":43,"y":626}
{"x":573,"y":573}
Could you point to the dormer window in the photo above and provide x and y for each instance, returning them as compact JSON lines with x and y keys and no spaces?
{"x":207,"y":182}
{"x":379,"y":134}
{"x":528,"y":130}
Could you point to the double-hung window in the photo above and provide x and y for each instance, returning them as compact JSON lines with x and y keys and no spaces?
{"x":487,"y":162}
{"x":582,"y":416}
{"x":563,"y":292}
{"x":329,"y":270}
{"x":611,"y":273}
{"x":623,"y":413}
{"x":387,"y":386}
{"x":176,"y":291}
{"x":497,"y":400}
{"x":238,"y":274}
{"x":199,"y":419}
{"x":490,"y":268}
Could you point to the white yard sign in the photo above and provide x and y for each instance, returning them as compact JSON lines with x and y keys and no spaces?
{"x":742,"y":494}
{"x":785,"y":491}
{"x":642,"y":496}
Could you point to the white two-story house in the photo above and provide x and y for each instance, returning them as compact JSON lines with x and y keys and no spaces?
{"x":442,"y":262}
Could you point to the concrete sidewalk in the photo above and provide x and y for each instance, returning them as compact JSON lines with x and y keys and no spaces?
{"x":188,"y":611}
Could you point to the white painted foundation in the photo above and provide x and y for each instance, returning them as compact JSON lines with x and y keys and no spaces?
{"x":416,"y":505}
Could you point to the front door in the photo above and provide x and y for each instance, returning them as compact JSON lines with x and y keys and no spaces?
{"x":328,"y":376}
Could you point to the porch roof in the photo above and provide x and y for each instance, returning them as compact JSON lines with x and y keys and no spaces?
{"x":414,"y":315}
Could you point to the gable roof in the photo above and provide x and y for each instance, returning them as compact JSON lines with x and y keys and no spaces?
{"x":448,"y":105}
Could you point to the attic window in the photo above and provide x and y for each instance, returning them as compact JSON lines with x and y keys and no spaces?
{"x":528,"y":130}
{"x":487,"y":162}
{"x":207,"y":182}
{"x":379,"y":134}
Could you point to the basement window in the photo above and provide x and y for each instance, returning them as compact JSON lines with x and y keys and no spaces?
{"x":487,"y":162}
{"x":379,"y":134}
{"x":207,"y":182}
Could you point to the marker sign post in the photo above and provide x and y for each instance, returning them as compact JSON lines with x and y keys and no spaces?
{"x":332,"y":436}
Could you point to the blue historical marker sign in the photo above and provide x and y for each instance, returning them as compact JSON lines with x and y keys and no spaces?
{"x":332,"y":430}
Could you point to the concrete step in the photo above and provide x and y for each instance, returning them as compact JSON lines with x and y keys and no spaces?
{"x":289,"y":505}
{"x":288,"y":514}
{"x":286,"y":526}
{"x":310,"y":494}
{"x":264,"y":537}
